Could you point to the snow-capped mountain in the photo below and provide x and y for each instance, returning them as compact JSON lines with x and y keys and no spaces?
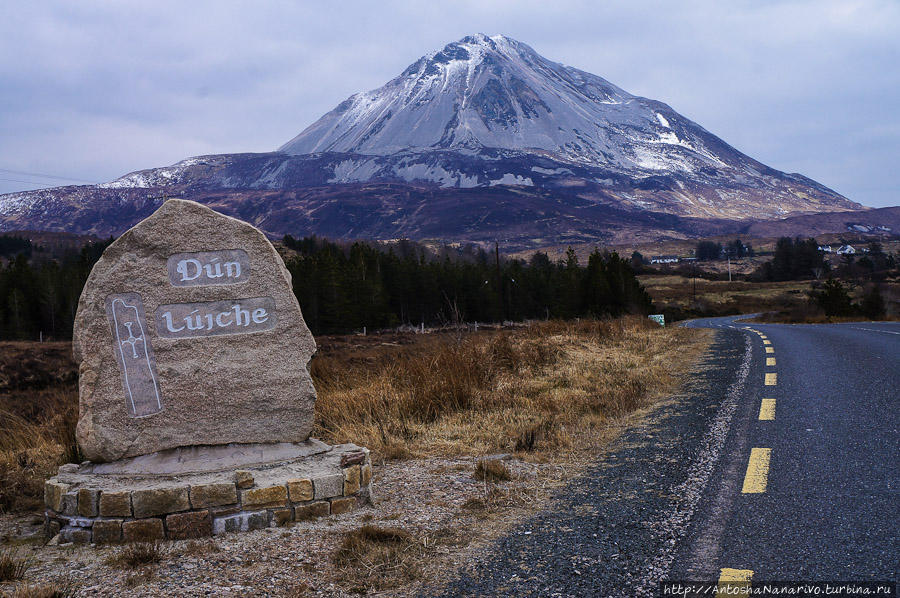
{"x":486,"y":96}
{"x":495,"y":92}
{"x":483,"y":112}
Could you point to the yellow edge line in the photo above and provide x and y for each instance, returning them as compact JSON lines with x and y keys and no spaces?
{"x":732,"y":579}
{"x":770,"y":349}
{"x":767,"y":342}
{"x":767,"y":410}
{"x":771,"y":379}
{"x":770,"y":361}
{"x":757,"y":476}
{"x":735,"y":575}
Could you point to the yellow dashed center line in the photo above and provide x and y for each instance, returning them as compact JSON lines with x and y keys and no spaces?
{"x":767,"y":410}
{"x":734,"y":578}
{"x":757,"y":475}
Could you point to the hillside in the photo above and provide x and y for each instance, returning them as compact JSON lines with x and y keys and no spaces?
{"x":482,"y":140}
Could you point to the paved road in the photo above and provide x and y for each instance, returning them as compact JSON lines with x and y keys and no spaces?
{"x":780,"y":462}
{"x":828,"y":421}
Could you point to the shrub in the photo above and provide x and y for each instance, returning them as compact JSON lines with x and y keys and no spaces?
{"x":834,"y":299}
{"x":138,"y":554}
{"x":872,"y":305}
{"x":533,"y":434}
{"x":43,"y":591}
{"x":380,"y":557}
{"x":12,"y":566}
{"x":33,"y":444}
{"x":708,"y":250}
{"x":492,"y":470}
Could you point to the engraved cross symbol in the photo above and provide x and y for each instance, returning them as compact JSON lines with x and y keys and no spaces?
{"x":132,"y":339}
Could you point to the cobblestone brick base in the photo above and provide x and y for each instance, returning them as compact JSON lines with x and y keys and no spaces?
{"x":106,"y":509}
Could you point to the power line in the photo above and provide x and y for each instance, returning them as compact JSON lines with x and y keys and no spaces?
{"x":46,"y":176}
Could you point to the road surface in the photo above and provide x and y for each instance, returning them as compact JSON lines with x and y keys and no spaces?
{"x":779,"y":463}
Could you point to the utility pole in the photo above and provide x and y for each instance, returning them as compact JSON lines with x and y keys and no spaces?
{"x":694,"y":280}
{"x":499,"y":281}
{"x":729,"y":268}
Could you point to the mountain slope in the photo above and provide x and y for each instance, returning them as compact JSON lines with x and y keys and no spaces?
{"x":529,"y":150}
{"x":494,"y":93}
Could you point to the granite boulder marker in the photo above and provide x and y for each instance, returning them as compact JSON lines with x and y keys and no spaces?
{"x":195,"y":401}
{"x":188,"y":333}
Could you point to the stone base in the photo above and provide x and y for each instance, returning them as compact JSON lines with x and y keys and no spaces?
{"x":202,"y":491}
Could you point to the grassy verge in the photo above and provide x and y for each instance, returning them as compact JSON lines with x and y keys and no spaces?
{"x":680,"y":297}
{"x":538,"y":389}
{"x":786,"y":302}
{"x":38,"y":413}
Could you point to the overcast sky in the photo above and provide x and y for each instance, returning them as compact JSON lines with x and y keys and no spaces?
{"x":94,"y":90}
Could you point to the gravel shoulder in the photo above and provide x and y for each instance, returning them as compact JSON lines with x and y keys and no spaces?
{"x":612,"y":530}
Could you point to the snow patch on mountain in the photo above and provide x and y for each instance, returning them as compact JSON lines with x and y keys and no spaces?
{"x":13,"y":203}
{"x":353,"y":171}
{"x":486,"y":93}
{"x":551,"y":171}
{"x":129,"y":181}
{"x":512,"y":179}
{"x":155,"y":177}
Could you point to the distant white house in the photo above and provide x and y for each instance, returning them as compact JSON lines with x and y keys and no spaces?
{"x":664,"y":259}
{"x":825,"y":248}
{"x":846,"y":250}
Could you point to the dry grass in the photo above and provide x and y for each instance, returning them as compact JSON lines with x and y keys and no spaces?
{"x":138,"y":554}
{"x":809,"y":312}
{"x":379,"y":558}
{"x":491,"y":470}
{"x":33,"y":366}
{"x":541,"y":388}
{"x":498,"y":499}
{"x":38,"y":413}
{"x":200,"y":548}
{"x":12,"y":566}
{"x":788,"y":301}
{"x":42,"y":591}
{"x":681,"y":297}
{"x":34,"y":444}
